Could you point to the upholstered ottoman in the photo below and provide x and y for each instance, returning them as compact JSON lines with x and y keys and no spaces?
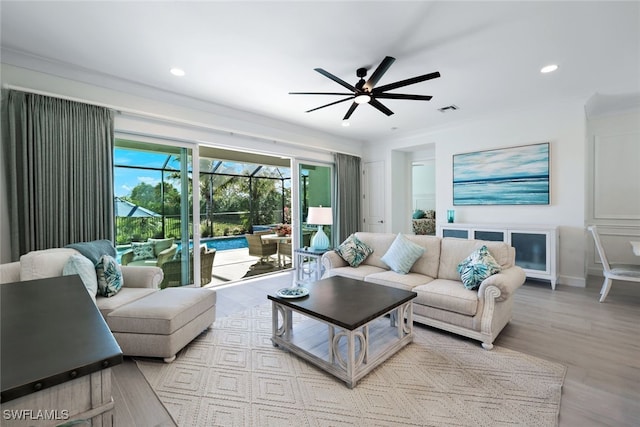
{"x":161,"y":324}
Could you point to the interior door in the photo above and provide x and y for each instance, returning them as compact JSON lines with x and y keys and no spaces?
{"x":373,"y":196}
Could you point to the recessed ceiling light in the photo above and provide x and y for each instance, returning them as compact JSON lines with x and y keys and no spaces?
{"x":177,"y":72}
{"x":549,"y":68}
{"x":345,"y":123}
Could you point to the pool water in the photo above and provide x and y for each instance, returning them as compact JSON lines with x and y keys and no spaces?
{"x":224,"y":243}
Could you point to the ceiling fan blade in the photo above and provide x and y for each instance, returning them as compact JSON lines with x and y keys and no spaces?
{"x":406,"y":82}
{"x":335,"y":79}
{"x":403,"y":96}
{"x":380,"y":107}
{"x":330,"y":104}
{"x":320,"y":93}
{"x":379,"y":72}
{"x":350,"y":111}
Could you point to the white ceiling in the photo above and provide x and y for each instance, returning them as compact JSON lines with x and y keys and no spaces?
{"x":249,"y":55}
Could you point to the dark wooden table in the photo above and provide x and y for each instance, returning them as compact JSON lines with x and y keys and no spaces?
{"x":353,"y":310}
{"x":52,"y":333}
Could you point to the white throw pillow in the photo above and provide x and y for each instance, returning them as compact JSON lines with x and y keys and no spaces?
{"x":82,"y":266}
{"x":402,"y":254}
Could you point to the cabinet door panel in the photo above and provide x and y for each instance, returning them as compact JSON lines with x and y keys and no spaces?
{"x":531,"y":250}
{"x":494,"y":236}
{"x":460,"y":234}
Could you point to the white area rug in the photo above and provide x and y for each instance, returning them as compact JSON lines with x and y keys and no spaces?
{"x":233,"y":376}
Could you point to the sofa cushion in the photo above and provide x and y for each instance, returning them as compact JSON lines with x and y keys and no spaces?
{"x":401,"y":281}
{"x":109,"y":276}
{"x":142,"y":251}
{"x":123,"y":297}
{"x":380,"y":243}
{"x":82,"y":266}
{"x":160,"y":245}
{"x":450,"y":295}
{"x":356,"y":273}
{"x":428,"y":263}
{"x":44,"y":263}
{"x":454,"y":250}
{"x":477,"y":267}
{"x":402,"y":254}
{"x":354,"y":251}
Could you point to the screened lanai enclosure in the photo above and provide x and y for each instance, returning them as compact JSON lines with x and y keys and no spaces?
{"x":239,"y":192}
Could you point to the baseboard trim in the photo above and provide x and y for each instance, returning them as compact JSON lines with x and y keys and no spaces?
{"x":578,"y":282}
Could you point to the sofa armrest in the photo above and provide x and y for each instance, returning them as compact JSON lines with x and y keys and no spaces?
{"x":10,"y":273}
{"x":127,"y":257}
{"x":331,"y":260}
{"x":507,"y":281}
{"x":141,"y":277}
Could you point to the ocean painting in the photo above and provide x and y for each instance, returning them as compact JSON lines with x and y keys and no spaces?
{"x":507,"y":176}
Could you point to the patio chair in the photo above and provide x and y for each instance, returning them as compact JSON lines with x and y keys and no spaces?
{"x":172,"y":269}
{"x":626,"y":272}
{"x":260,"y":249}
{"x":285,"y":251}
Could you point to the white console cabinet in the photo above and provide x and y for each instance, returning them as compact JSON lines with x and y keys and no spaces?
{"x":536,"y":246}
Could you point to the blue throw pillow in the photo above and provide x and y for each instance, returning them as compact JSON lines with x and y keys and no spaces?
{"x":82,"y":266}
{"x":419,"y":213}
{"x":94,"y":249}
{"x":402,"y":254}
{"x":477,"y":267}
{"x":109,"y":276}
{"x":354,"y":251}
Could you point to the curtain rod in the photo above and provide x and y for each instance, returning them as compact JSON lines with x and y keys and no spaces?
{"x":147,"y":115}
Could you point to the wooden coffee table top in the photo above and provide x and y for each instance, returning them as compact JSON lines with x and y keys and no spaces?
{"x":347,"y":303}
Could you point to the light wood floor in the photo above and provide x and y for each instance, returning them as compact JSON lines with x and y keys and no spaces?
{"x":599,"y":343}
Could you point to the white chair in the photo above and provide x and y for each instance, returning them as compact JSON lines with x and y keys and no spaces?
{"x":626,"y":272}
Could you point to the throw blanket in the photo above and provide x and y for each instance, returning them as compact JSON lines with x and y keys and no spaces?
{"x":94,"y":249}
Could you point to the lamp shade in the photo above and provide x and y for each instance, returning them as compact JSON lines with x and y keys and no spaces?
{"x":320,"y":216}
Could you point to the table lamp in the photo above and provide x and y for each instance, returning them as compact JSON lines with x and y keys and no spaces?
{"x":320,"y":216}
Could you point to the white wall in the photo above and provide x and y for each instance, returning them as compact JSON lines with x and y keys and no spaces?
{"x":147,"y":112}
{"x":562,"y":124}
{"x":613,"y":185}
{"x":423,"y":185}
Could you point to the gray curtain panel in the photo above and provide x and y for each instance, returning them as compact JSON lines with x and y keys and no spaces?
{"x":59,"y":171}
{"x":348,"y":213}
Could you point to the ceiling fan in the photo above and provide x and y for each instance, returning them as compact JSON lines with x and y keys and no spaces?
{"x":366,"y":92}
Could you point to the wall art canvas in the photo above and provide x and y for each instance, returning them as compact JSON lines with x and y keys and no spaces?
{"x":506,"y":176}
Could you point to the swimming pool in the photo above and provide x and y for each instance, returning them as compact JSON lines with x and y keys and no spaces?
{"x":224,"y":243}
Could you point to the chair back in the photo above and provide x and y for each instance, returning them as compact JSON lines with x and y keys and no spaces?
{"x":258,"y":248}
{"x":600,"y":248}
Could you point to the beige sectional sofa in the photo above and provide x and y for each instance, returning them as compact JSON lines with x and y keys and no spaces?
{"x":443,"y":301}
{"x":144,"y":320}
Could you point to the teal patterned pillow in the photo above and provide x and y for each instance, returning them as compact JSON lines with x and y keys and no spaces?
{"x":109,"y":276}
{"x":354,"y":251}
{"x":402,"y":254}
{"x":477,"y":267}
{"x":142,"y":251}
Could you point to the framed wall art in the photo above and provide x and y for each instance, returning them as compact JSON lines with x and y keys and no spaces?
{"x":505,"y":176}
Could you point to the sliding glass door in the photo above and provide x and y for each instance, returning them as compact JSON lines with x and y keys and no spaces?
{"x":153,"y":207}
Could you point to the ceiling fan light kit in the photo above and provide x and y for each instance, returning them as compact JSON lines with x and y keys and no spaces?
{"x":366,"y":91}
